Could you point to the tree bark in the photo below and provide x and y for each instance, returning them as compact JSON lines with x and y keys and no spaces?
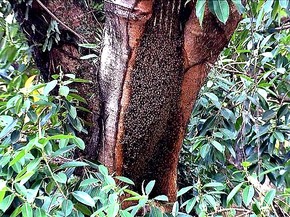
{"x":77,"y":24}
{"x":153,"y":65}
{"x":154,"y":61}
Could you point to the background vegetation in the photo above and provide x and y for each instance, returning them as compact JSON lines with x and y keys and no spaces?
{"x":235,"y":159}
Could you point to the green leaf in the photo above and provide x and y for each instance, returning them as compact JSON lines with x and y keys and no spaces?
{"x":125,"y":213}
{"x":63,"y":91}
{"x":283,"y":110}
{"x":27,"y":210}
{"x":91,"y":46}
{"x":246,"y":164}
{"x":161,"y":198}
{"x":278,"y":135}
{"x":149,"y":187}
{"x":207,"y":125}
{"x":7,"y":129}
{"x":199,"y":10}
{"x":270,"y":170}
{"x":49,"y":87}
{"x":19,"y":156}
{"x":113,"y":209}
{"x":269,"y":197}
{"x":268,"y":6}
{"x":61,"y":177}
{"x":77,"y":97}
{"x":234,"y":192}
{"x":32,"y":193}
{"x":89,"y":56}
{"x":83,"y":209}
{"x":210,"y":200}
{"x":218,"y":146}
{"x":204,"y":150}
{"x":84,"y":198}
{"x":256,"y":207}
{"x":33,"y":164}
{"x":15,"y":136}
{"x":184,"y":190}
{"x":63,"y":150}
{"x":89,"y":181}
{"x":248,"y":194}
{"x":72,"y":111}
{"x":24,"y":178}
{"x":239,"y":5}
{"x":73,"y":164}
{"x":214,"y":185}
{"x":5,"y":120}
{"x":67,"y":207}
{"x":221,"y":9}
{"x":214,"y":99}
{"x":125,"y":180}
{"x":79,"y":143}
{"x":103,"y":170}
{"x":20,"y":189}
{"x":39,"y":213}
{"x":268,"y":115}
{"x":155,"y":212}
{"x":6,"y":202}
{"x":175,"y":208}
{"x":17,"y":211}
{"x":283,"y":3}
{"x":131,"y":192}
{"x":190,"y":204}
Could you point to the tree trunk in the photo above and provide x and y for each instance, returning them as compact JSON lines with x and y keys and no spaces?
{"x":154,"y":61}
{"x":77,"y":24}
{"x":153,"y":64}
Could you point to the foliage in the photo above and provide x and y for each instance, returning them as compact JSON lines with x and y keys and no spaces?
{"x":220,"y":8}
{"x":236,"y":155}
{"x":235,"y":159}
{"x":39,"y":175}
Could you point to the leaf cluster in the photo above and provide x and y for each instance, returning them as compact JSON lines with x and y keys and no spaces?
{"x":236,"y":155}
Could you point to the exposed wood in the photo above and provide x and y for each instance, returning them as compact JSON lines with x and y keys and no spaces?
{"x":135,"y":31}
{"x":154,"y":61}
{"x":148,"y":109}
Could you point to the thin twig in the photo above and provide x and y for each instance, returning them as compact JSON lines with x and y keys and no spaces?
{"x":59,"y":21}
{"x":282,"y":27}
{"x":230,"y":209}
{"x":225,"y":69}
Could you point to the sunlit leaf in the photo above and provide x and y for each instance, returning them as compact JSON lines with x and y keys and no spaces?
{"x":234,"y":192}
{"x":84,"y":198}
{"x":248,"y":194}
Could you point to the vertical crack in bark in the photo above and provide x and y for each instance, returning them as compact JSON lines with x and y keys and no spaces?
{"x":125,"y":22}
{"x":113,"y":66}
{"x":135,"y":31}
{"x":152,"y":118}
{"x":163,"y":67}
{"x":162,"y":96}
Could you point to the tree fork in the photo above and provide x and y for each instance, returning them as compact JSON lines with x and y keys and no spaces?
{"x":154,"y":61}
{"x":145,"y":118}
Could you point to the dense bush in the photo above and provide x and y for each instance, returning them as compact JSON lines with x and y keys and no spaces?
{"x":236,"y":153}
{"x":235,"y":159}
{"x":38,"y":141}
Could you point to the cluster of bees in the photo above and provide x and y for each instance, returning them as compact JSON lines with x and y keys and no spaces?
{"x":151,"y":120}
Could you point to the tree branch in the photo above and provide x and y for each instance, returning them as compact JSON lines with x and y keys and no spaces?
{"x":60,"y":22}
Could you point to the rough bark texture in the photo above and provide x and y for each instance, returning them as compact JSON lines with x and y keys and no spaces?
{"x":153,"y":64}
{"x":64,"y":56}
{"x":161,"y":70}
